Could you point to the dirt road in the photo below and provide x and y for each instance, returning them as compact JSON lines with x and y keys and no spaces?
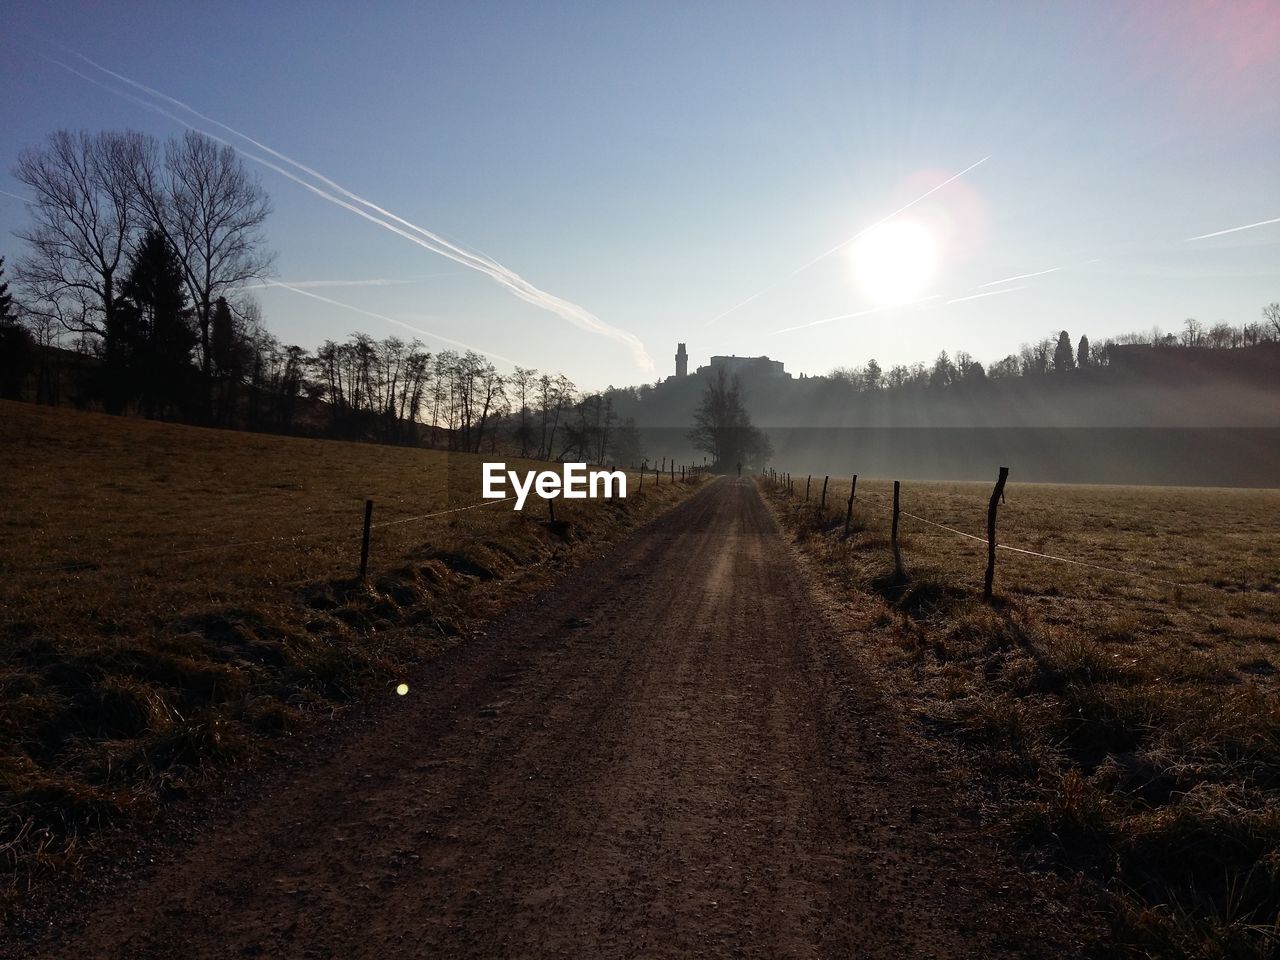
{"x":670,"y":754}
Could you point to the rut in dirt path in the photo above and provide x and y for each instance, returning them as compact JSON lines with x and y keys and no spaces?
{"x":669,"y":754}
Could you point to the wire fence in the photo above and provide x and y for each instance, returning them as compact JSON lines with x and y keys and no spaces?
{"x":95,"y":565}
{"x":786,"y":483}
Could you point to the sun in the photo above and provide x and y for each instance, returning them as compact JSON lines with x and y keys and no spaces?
{"x":894,"y":262}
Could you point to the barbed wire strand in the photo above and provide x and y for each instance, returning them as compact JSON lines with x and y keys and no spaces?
{"x":1049,"y":556}
{"x":94,"y":565}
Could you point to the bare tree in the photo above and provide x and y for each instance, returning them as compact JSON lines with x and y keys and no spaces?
{"x":85,"y":221}
{"x":1271,"y":314}
{"x":211,"y":210}
{"x":523,"y":381}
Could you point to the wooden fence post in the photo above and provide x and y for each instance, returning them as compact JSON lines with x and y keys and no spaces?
{"x":808,"y":480}
{"x":640,"y":486}
{"x":364,"y":543}
{"x":551,"y":508}
{"x":848,"y":516}
{"x":823,"y":504}
{"x":996,"y":495}
{"x":897,"y":552}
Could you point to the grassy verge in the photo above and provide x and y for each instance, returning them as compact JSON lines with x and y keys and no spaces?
{"x":1125,"y":729}
{"x":177,"y":600}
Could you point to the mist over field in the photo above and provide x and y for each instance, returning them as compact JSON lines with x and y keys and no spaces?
{"x":1157,"y":415}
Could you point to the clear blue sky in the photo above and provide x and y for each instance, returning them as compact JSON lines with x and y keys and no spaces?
{"x":656,"y":163}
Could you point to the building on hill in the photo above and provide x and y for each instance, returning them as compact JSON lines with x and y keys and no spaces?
{"x":747,"y":367}
{"x":750,"y":368}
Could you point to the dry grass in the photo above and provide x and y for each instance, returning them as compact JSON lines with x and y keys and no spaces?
{"x":175,"y":598}
{"x":1127,"y":730}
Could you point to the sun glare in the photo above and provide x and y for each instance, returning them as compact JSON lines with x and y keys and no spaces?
{"x":894,"y":262}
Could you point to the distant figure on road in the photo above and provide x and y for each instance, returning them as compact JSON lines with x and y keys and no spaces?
{"x":739,"y":470}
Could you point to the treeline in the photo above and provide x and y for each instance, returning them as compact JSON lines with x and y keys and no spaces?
{"x":131,"y":297}
{"x":1058,"y":355}
{"x":389,"y":390}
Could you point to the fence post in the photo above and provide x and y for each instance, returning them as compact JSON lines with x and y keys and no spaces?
{"x":897,"y":552}
{"x":996,"y":496}
{"x":673,"y":469}
{"x":848,"y":516}
{"x":808,"y":480}
{"x":640,"y":485}
{"x":823,"y":504}
{"x":364,"y":542}
{"x":551,"y":508}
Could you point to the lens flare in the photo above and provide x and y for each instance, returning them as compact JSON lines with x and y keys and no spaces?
{"x":894,"y":262}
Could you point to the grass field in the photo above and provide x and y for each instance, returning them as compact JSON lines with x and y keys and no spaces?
{"x":1127,"y":729}
{"x":174,"y":598}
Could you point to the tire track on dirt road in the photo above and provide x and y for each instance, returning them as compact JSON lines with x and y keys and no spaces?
{"x":670,"y":753}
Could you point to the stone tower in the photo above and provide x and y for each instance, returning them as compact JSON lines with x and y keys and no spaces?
{"x":682,"y":361}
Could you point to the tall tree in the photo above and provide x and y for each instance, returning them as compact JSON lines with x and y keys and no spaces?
{"x":15,"y":345}
{"x":159,"y":338}
{"x":1082,"y":352}
{"x":1064,"y":358}
{"x":723,"y":429}
{"x":7,"y":314}
{"x":211,"y":210}
{"x":85,"y":220}
{"x":1271,"y":314}
{"x":522,"y":383}
{"x":943,"y":373}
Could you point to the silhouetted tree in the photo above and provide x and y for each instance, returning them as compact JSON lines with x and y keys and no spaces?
{"x":723,"y":429}
{"x":873,"y":376}
{"x":943,"y":373}
{"x":15,"y":345}
{"x":522,"y":383}
{"x":1064,"y":358}
{"x":1192,"y":332}
{"x":227,"y":360}
{"x":969,"y":370}
{"x":157,"y":334}
{"x":7,"y":314}
{"x":1271,"y":314}
{"x":211,"y":210}
{"x":1004,"y":369}
{"x":1082,"y":353}
{"x":85,"y":221}
{"x":222,"y":339}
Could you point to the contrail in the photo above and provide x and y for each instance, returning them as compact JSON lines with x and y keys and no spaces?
{"x":990,"y":293}
{"x":845,"y":243}
{"x":1040,"y":273}
{"x":575,"y":314}
{"x":313,"y":189}
{"x":1021,"y":276}
{"x":1247,"y":226}
{"x":859,"y":313}
{"x":308,"y":284}
{"x":15,"y":196}
{"x":399,"y":323}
